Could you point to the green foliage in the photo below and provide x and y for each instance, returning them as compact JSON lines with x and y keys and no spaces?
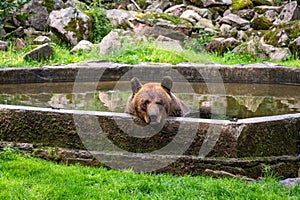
{"x":147,"y":51}
{"x":101,"y":24}
{"x":10,"y":8}
{"x":241,"y":4}
{"x":231,"y":58}
{"x":8,"y":153}
{"x":62,"y":55}
{"x":199,"y":42}
{"x":31,"y":178}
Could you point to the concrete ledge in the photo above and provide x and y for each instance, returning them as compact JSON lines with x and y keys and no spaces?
{"x":268,"y":136}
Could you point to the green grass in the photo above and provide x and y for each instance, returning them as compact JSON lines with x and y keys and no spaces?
{"x":23,"y":177}
{"x":133,"y":54}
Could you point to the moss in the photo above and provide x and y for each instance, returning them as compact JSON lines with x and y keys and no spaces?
{"x":48,"y":4}
{"x":241,"y":4}
{"x":291,"y":28}
{"x":261,"y":23}
{"x":154,"y":17}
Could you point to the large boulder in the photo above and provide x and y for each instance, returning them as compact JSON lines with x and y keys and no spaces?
{"x":110,"y":42}
{"x":156,"y":24}
{"x":71,"y":25}
{"x":38,"y":15}
{"x":289,"y":13}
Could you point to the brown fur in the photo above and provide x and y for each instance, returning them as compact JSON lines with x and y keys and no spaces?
{"x":153,"y":102}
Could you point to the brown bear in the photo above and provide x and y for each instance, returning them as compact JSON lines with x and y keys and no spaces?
{"x":153,"y":102}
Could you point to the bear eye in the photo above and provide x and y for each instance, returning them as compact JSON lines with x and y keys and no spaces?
{"x":144,"y":105}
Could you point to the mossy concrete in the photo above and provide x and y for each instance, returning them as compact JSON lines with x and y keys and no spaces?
{"x":253,"y":137}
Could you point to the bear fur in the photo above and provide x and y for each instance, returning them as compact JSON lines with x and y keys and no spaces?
{"x":153,"y":102}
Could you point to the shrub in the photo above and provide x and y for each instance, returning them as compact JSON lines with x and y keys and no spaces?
{"x":101,"y":24}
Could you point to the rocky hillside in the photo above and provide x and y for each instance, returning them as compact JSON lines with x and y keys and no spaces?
{"x":265,"y":28}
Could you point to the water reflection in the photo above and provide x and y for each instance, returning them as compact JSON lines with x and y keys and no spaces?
{"x":241,"y":100}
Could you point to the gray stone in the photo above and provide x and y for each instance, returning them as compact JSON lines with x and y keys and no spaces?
{"x":71,"y":25}
{"x":191,"y":15}
{"x":261,"y":22}
{"x":236,"y":21}
{"x":83,"y":45}
{"x":42,"y":52}
{"x":42,"y":40}
{"x":176,"y":10}
{"x":203,"y":12}
{"x":168,"y":43}
{"x":221,"y":45}
{"x":247,"y":14}
{"x":205,"y":23}
{"x":213,"y":3}
{"x":119,"y":17}
{"x":3,"y":46}
{"x":109,"y":43}
{"x":289,"y":12}
{"x":155,"y":30}
{"x":276,"y":54}
{"x":20,"y":43}
{"x":39,"y":15}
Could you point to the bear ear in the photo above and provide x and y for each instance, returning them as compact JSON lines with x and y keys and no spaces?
{"x":135,"y":84}
{"x":167,"y":83}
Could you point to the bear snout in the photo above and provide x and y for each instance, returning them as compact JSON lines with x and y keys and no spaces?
{"x":156,"y":113}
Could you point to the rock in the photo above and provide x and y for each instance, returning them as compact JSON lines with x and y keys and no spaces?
{"x":226,"y":29}
{"x":109,"y":43}
{"x":168,"y":43}
{"x":247,"y":14}
{"x":176,"y":10}
{"x":236,"y":21}
{"x":213,"y":3}
{"x":38,"y":15}
{"x":156,"y":24}
{"x":276,"y":54}
{"x":290,"y":182}
{"x":119,"y":17}
{"x":261,"y":22}
{"x":83,"y":45}
{"x":203,"y":12}
{"x":20,"y":43}
{"x":159,"y":4}
{"x":289,"y":12}
{"x":294,"y":47}
{"x":191,"y":15}
{"x":42,"y":52}
{"x":264,"y":9}
{"x":204,"y":23}
{"x":283,"y":33}
{"x":71,"y":25}
{"x":42,"y":40}
{"x":3,"y":46}
{"x":221,"y":45}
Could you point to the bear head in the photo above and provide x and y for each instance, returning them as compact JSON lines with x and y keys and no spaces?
{"x":153,"y":102}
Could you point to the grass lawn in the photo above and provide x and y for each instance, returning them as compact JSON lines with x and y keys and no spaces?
{"x":23,"y":177}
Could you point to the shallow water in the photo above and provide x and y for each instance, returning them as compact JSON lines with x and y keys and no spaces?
{"x":239,"y":100}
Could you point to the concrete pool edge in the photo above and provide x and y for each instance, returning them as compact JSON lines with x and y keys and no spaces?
{"x":260,"y":73}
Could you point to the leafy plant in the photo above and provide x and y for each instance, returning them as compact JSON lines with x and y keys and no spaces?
{"x":101,"y":24}
{"x":10,"y":9}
